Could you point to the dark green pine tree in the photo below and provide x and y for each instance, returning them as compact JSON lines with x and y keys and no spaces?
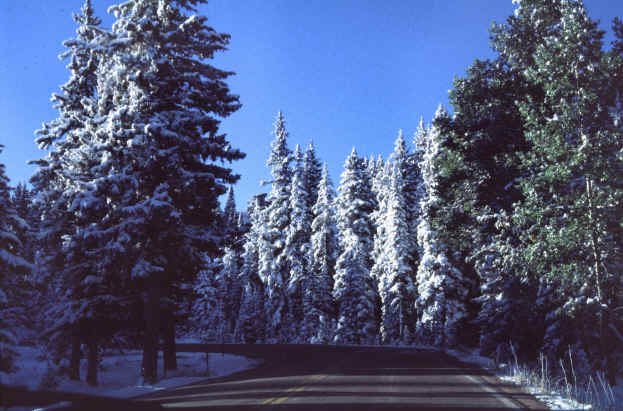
{"x":572,"y":186}
{"x":480,"y":159}
{"x":481,"y":162}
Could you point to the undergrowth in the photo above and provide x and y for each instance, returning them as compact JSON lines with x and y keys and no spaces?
{"x":590,"y":392}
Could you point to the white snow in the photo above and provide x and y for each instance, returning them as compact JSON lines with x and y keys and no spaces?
{"x":120,"y":373}
{"x":553,"y":400}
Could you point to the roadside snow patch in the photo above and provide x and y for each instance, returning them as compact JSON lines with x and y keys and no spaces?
{"x":120,"y":374}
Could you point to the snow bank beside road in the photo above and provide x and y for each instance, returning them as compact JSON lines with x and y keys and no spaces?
{"x":120,"y":374}
{"x":553,"y":400}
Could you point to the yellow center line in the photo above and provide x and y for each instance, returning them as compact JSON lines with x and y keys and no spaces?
{"x":279,"y":400}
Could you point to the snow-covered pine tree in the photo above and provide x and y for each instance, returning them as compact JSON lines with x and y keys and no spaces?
{"x":297,"y":248}
{"x":380,"y":185}
{"x":272,"y":260}
{"x":23,"y":204}
{"x":441,"y":286}
{"x":380,"y":164}
{"x":406,"y":164}
{"x":392,"y":265}
{"x":372,"y":167}
{"x":83,"y":64}
{"x":13,"y":267}
{"x":230,"y":218}
{"x":229,"y":293}
{"x":313,"y":173}
{"x":353,"y":290}
{"x":251,"y":318}
{"x":208,"y":317}
{"x":324,"y":251}
{"x":28,"y":290}
{"x":157,"y":125}
{"x":60,"y":181}
{"x":380,"y":189}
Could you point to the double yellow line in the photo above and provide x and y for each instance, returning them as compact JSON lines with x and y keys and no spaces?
{"x":279,"y":400}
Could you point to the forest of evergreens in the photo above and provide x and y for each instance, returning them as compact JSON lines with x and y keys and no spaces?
{"x":500,"y":222}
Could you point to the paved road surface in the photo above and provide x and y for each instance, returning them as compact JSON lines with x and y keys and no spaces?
{"x":297,"y":378}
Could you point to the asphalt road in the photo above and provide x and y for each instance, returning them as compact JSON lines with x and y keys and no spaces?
{"x":307,"y":377}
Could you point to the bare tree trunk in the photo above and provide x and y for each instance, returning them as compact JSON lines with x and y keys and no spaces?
{"x":92,"y":356}
{"x":74,"y":362}
{"x":150,"y":342}
{"x":169,"y":352}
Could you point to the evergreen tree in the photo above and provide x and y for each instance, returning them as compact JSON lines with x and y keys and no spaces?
{"x":73,"y":109}
{"x":208,"y":317}
{"x":273,"y":261}
{"x":149,"y":204}
{"x":23,"y":204}
{"x":297,"y":248}
{"x":12,"y":267}
{"x":380,"y":186}
{"x":73,"y":279}
{"x":229,"y":293}
{"x":406,"y":165}
{"x":442,"y":289}
{"x":572,"y":180}
{"x":313,"y":174}
{"x":323,"y":255}
{"x":230,"y":219}
{"x":392,"y":265}
{"x":28,"y":288}
{"x":354,"y":290}
{"x":251,"y":318}
{"x":511,"y":309}
{"x":480,"y":165}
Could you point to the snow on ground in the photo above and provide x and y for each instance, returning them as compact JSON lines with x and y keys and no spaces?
{"x":553,"y":400}
{"x":120,"y":373}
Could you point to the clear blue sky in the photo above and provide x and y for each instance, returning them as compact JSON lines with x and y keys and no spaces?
{"x":345,"y":73}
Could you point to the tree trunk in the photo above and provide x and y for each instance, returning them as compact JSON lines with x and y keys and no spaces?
{"x":169,"y":352}
{"x":604,"y":302}
{"x":74,"y":363}
{"x":92,"y":357}
{"x":150,"y":342}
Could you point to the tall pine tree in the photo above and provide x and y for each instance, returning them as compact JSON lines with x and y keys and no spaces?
{"x":273,"y":261}
{"x":324,"y":251}
{"x":297,"y":250}
{"x":13,"y":268}
{"x":354,"y":291}
{"x":442,"y":289}
{"x":572,"y":179}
